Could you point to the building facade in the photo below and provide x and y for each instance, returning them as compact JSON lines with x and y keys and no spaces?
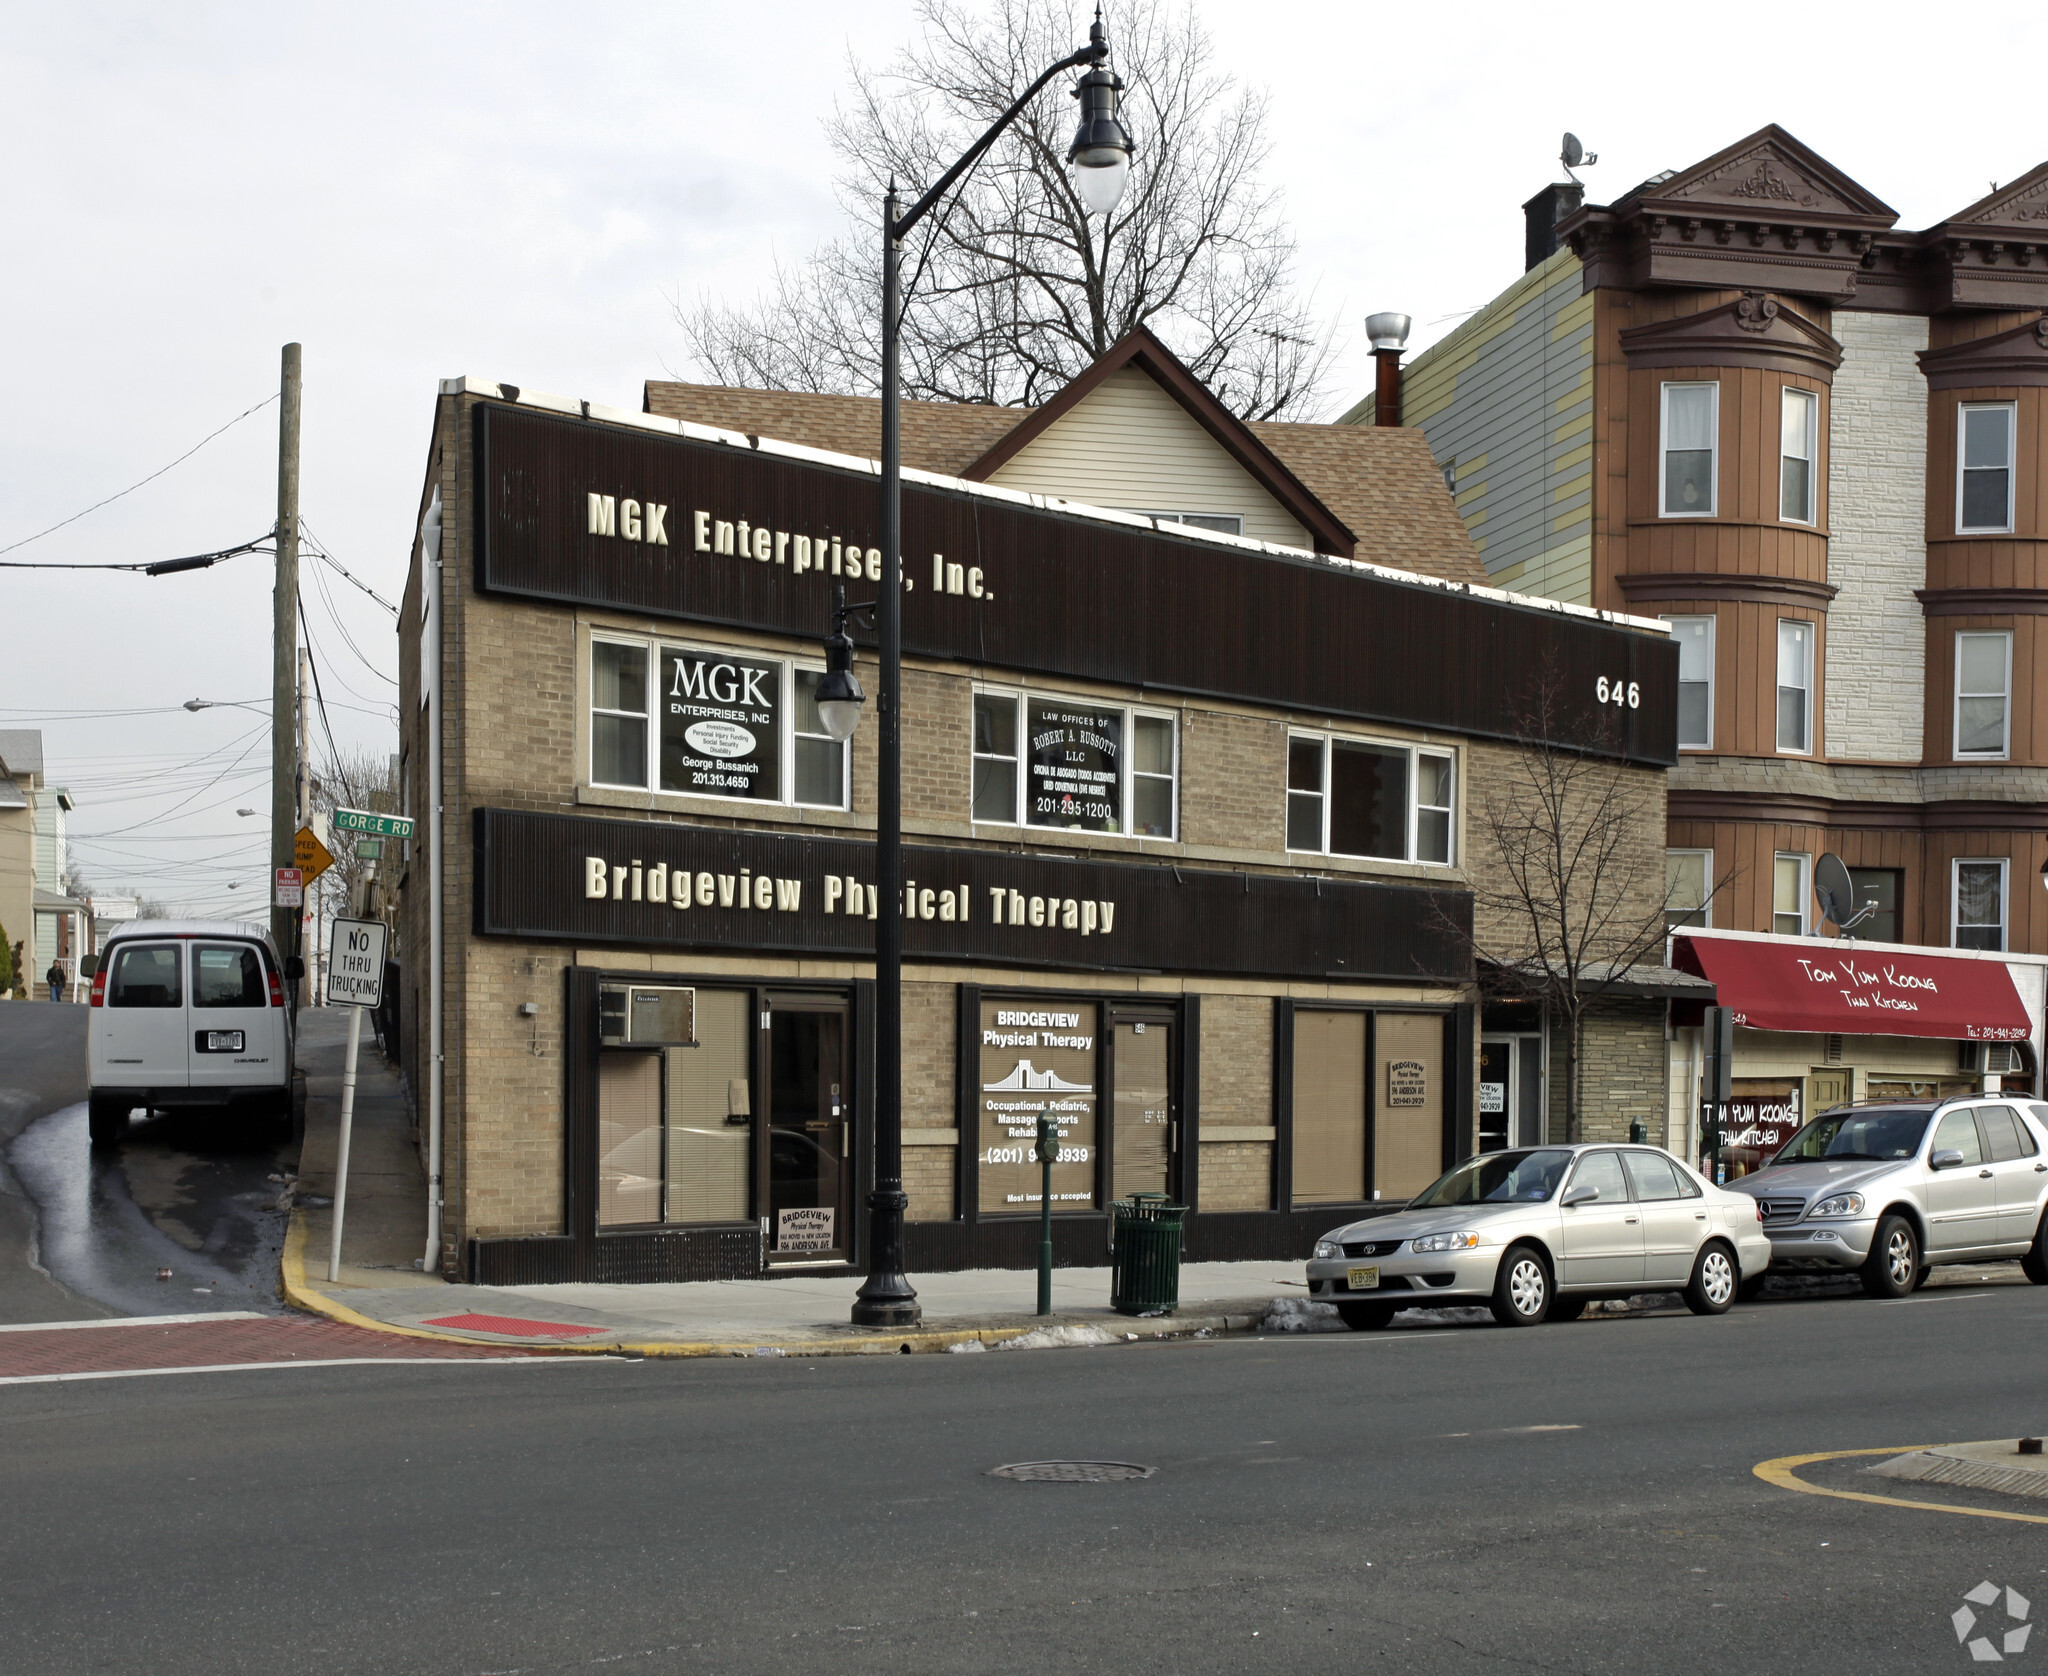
{"x":1743,"y":400}
{"x":1187,"y":820}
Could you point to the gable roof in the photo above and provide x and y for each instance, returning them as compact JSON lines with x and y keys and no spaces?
{"x":21,"y":750}
{"x":1769,"y":172}
{"x":1141,"y":349}
{"x":2020,"y":206}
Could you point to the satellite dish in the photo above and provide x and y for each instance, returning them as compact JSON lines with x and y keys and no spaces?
{"x":1837,"y":893}
{"x":1574,"y":153}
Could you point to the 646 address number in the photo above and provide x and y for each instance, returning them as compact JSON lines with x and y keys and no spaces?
{"x":1614,"y":692}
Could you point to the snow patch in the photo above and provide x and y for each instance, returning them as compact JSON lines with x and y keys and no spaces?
{"x":1048,"y":1338}
{"x":1301,"y":1315}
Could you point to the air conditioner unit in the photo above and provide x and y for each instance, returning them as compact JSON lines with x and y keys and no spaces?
{"x":1992,"y":1059}
{"x":646,"y":1015}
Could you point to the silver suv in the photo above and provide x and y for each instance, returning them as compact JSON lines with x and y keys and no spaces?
{"x":1889,"y":1188}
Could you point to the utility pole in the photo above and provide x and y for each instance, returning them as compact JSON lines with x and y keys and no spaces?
{"x":284,"y":922}
{"x":302,"y":787}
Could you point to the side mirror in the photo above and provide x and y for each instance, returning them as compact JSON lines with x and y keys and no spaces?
{"x":294,"y":968}
{"x":1583,"y":1194}
{"x":1946,"y":1159}
{"x":89,"y":967}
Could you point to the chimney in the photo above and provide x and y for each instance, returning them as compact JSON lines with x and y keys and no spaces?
{"x":1540,"y":216}
{"x":1389,"y":335}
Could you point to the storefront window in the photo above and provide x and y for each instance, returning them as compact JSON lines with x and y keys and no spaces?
{"x":628,"y":1138}
{"x":1408,"y":1139}
{"x":710,"y":1107}
{"x":1083,"y":767}
{"x":1038,"y":1058}
{"x":1330,"y":1104}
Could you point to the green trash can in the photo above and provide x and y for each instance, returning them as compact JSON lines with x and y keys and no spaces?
{"x":1144,"y":1252}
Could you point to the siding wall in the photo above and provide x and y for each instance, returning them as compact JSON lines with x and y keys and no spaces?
{"x":1506,"y":401}
{"x":1877,"y":552}
{"x":1129,"y":445}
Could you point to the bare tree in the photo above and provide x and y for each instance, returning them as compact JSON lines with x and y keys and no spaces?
{"x":1569,"y":897}
{"x":1012,"y":289}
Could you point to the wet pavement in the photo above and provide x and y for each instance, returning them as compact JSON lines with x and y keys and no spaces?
{"x":187,"y":1216}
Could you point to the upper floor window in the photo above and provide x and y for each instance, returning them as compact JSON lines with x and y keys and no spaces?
{"x":1985,"y":455}
{"x":1230,"y":523}
{"x":1688,"y":876}
{"x":1983,"y":694}
{"x":1788,"y":894}
{"x":1349,"y":797}
{"x":1979,"y":904}
{"x":1798,"y":434}
{"x":1074,"y":764}
{"x":1691,"y":431}
{"x":710,"y":723}
{"x":1878,"y":889}
{"x":1795,"y":684}
{"x":1695,"y":637}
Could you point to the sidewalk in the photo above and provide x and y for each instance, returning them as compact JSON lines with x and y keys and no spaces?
{"x":385,"y":1229}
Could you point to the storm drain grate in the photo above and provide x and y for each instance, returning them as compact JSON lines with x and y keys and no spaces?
{"x":1072,"y":1472}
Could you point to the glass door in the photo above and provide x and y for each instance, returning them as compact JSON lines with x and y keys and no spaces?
{"x":1145,"y":1132}
{"x":1496,"y":1092}
{"x":810,"y":1132}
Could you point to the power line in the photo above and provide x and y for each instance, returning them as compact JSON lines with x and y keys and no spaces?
{"x":152,"y":567}
{"x":320,"y":550}
{"x":151,"y":478}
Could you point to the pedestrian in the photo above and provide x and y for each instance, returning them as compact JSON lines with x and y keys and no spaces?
{"x":55,"y":978}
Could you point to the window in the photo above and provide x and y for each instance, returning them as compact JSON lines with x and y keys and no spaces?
{"x":1695,"y":637}
{"x":995,"y":757}
{"x":1687,"y":874}
{"x":1798,"y":429}
{"x":1083,"y":767}
{"x":1691,"y":420}
{"x":1230,"y":523}
{"x":1877,"y":887}
{"x":1038,"y":1057}
{"x":1329,"y":1109}
{"x":618,"y":714}
{"x":228,"y":975}
{"x":1788,"y":895}
{"x":1957,"y":1132}
{"x":1795,"y":684}
{"x":146,"y":975}
{"x":1984,"y":449}
{"x":1347,"y":797}
{"x":1983,"y":690}
{"x":722,"y":724}
{"x":1980,"y":904}
{"x":1653,"y":1178}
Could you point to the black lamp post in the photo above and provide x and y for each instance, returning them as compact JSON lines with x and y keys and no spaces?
{"x":1101,"y":159}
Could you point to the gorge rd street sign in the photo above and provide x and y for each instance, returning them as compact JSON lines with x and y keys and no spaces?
{"x":372,"y":825}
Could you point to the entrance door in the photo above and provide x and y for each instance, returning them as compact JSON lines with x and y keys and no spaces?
{"x":1825,"y":1090}
{"x":1496,"y":1092}
{"x":810,"y":1133}
{"x":1146,"y":1129}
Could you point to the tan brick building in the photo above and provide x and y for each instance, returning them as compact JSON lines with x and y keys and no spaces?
{"x":1186,"y":770}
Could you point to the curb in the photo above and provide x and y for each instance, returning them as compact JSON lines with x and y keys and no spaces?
{"x":301,"y":1294}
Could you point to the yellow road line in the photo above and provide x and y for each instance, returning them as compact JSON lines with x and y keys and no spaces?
{"x":1782,"y":1473}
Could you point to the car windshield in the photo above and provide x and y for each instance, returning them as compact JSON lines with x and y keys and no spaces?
{"x":1496,"y":1178}
{"x":1864,"y":1134}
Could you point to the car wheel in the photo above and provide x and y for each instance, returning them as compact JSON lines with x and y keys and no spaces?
{"x":1521,"y":1291}
{"x":1893,"y":1266}
{"x":106,"y":1119}
{"x":2035,"y":1264}
{"x":1365,"y":1318}
{"x":1714,"y":1280}
{"x":1566,"y":1309}
{"x":1751,"y":1289}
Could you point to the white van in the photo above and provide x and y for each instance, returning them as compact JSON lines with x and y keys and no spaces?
{"x":189,"y":1013}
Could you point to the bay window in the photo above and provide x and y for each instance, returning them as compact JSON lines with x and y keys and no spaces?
{"x":1695,"y":638}
{"x":1788,"y":894}
{"x":1984,"y":461}
{"x":1691,"y":424}
{"x":1688,"y":876}
{"x":1352,"y":797}
{"x":1979,"y":894}
{"x":1798,"y":432}
{"x":1983,"y":694}
{"x":1795,"y":685}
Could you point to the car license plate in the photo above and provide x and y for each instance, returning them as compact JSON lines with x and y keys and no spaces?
{"x":1363,"y":1280}
{"x":224,"y":1041}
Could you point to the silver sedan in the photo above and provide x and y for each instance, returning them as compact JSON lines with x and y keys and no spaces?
{"x":1889,"y":1189}
{"x":1539,"y":1232}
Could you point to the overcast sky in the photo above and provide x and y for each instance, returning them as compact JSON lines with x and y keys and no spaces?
{"x":518,"y":191}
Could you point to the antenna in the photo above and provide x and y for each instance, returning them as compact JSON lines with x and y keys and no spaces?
{"x":1576,"y":156}
{"x":1837,"y":893}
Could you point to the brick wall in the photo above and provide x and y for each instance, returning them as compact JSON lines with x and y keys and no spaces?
{"x":1236,"y":1092}
{"x":1623,"y":1064}
{"x":1234,"y":780}
{"x":929,"y":1019}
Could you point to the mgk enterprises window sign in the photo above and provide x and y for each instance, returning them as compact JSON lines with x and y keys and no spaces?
{"x":721,"y":733}
{"x":663,"y":884}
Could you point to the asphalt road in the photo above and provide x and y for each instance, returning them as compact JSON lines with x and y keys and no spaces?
{"x":1573,"y":1497}
{"x":86,"y":1234}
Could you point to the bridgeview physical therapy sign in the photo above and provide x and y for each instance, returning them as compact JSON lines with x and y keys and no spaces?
{"x":355,"y":963}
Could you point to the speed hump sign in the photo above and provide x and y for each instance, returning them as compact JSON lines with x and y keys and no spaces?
{"x":355,"y":963}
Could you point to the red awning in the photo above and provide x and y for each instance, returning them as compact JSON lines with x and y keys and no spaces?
{"x":1821,"y":986}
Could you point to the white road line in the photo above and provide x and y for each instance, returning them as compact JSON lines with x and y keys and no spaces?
{"x":1960,"y":1297}
{"x":333,"y":1362}
{"x":142,"y":1321}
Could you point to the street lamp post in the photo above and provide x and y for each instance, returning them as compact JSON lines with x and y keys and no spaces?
{"x":1101,"y":158}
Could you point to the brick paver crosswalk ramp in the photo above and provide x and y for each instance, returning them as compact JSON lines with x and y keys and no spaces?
{"x":159,"y":1344}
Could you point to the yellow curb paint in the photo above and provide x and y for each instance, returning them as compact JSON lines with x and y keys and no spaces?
{"x":302,"y":1295}
{"x":1783,"y":1473}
